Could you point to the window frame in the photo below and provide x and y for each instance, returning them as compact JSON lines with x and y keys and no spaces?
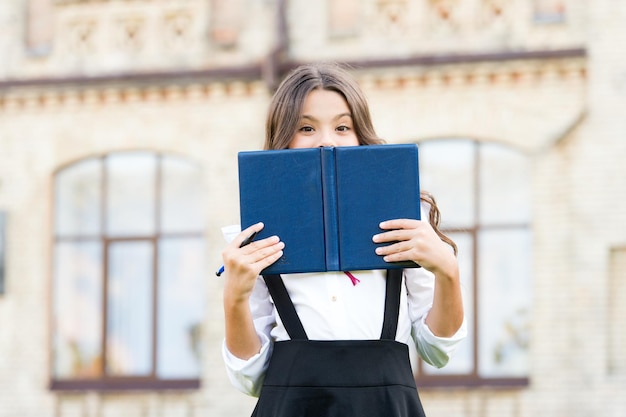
{"x":106,"y":382}
{"x":473,"y":379}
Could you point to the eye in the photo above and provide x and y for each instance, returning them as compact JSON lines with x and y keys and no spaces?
{"x":306,"y":129}
{"x":343,"y":128}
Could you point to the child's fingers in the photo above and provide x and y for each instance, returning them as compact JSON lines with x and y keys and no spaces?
{"x":268,"y":260}
{"x":397,"y":229}
{"x":394,"y":247}
{"x":260,"y":245}
{"x":246,"y":233}
{"x":399,"y":224}
{"x":264,"y":249}
{"x":392,"y":236}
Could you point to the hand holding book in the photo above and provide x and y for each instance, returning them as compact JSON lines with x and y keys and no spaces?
{"x":414,"y":240}
{"x":244,"y":259}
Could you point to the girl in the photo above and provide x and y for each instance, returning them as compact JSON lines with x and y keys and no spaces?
{"x":338,"y":346}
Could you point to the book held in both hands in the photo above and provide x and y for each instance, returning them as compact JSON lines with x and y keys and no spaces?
{"x":326,"y":203}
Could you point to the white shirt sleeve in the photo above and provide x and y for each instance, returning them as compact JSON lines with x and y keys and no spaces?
{"x":435,"y":350}
{"x":247,"y":375}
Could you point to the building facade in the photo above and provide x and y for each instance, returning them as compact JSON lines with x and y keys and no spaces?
{"x":120,"y":123}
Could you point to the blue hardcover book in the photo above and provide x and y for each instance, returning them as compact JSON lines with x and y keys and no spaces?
{"x":326,"y":203}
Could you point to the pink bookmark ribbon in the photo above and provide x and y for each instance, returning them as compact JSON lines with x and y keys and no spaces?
{"x":354,"y":279}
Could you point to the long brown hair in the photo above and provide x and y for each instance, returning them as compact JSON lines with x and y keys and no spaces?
{"x":434,"y":218}
{"x":286,"y":108}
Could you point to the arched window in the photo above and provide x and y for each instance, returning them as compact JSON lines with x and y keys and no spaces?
{"x":128,"y":272}
{"x":483,"y":191}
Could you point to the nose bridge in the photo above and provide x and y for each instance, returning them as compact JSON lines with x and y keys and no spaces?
{"x":327,"y":137}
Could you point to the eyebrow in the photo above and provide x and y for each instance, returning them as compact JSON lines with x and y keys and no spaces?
{"x":339,"y":116}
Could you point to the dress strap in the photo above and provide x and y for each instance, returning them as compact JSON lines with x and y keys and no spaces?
{"x":294,"y":327}
{"x":392,"y":304}
{"x":285,"y":307}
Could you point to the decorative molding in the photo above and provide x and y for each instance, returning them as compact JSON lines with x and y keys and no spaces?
{"x":123,"y":95}
{"x":465,"y":75}
{"x":513,"y":74}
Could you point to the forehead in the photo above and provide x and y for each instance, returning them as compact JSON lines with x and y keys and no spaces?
{"x":320,"y":101}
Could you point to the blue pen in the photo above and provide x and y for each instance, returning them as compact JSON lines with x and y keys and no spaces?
{"x":246,"y":241}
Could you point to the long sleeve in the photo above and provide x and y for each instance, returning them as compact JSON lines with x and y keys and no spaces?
{"x":435,"y":350}
{"x":247,"y":375}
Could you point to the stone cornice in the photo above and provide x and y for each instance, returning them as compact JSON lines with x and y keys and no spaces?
{"x":418,"y":72}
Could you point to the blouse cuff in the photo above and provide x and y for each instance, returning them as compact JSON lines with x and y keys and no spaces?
{"x":247,"y":375}
{"x":437,"y":350}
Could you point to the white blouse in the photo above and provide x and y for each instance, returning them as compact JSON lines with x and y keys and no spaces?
{"x":332,"y":307}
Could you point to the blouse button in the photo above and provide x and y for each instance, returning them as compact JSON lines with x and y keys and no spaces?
{"x":333,"y":298}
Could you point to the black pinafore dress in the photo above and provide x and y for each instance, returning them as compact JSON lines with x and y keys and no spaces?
{"x":345,"y":378}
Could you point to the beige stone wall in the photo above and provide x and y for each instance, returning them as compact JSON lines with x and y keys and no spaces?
{"x":207,"y":125}
{"x":54,"y":38}
{"x":565,"y":114}
{"x":401,"y":28}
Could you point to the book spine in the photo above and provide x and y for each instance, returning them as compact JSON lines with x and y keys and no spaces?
{"x":329,"y":192}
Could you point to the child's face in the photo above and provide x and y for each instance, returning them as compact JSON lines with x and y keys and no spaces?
{"x":325,"y":121}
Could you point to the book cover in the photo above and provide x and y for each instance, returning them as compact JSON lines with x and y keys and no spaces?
{"x":326,"y":203}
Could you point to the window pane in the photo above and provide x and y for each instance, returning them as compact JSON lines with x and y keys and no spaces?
{"x":181,"y":307}
{"x":131,"y":194}
{"x":78,"y":200}
{"x":463,"y":360}
{"x":182,"y":207}
{"x":77,"y":310}
{"x":504,"y":186}
{"x":504,"y":302}
{"x":446,"y":171}
{"x":129,"y":304}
